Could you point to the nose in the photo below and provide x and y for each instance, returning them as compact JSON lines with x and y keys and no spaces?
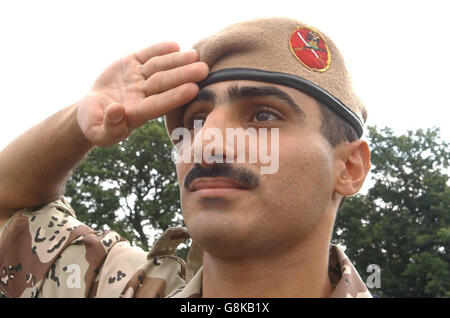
{"x":210,"y":142}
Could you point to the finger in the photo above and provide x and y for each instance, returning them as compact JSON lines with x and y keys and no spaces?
{"x":168,"y":61}
{"x":157,"y":105}
{"x":115,"y":122}
{"x":165,"y":80}
{"x":155,"y":50}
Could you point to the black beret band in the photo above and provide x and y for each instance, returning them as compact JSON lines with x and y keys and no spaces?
{"x":292,"y":81}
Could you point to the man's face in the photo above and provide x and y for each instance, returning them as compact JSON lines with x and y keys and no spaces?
{"x":237,"y":211}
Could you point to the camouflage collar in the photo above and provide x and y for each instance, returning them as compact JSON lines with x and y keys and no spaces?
{"x":344,"y":277}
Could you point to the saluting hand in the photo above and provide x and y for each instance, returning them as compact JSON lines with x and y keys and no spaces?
{"x":140,"y":87}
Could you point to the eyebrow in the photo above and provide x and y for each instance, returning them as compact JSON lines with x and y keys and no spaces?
{"x":235,"y":92}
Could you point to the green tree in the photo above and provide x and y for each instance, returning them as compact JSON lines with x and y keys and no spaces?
{"x":403,"y":223}
{"x":131,"y":187}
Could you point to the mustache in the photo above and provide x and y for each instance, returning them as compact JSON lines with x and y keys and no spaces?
{"x":241,"y":175}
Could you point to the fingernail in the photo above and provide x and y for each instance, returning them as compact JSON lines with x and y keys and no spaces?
{"x":115,"y":118}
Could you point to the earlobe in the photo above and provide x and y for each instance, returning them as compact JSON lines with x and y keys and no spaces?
{"x":352,"y":164}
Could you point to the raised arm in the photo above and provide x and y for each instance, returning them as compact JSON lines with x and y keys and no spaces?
{"x":137,"y":88}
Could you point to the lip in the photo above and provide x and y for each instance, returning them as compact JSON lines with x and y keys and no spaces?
{"x":215,"y":185}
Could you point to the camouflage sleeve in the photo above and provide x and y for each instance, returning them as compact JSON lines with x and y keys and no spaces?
{"x":47,"y":252}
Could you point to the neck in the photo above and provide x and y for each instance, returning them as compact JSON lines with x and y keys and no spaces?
{"x":298,"y":272}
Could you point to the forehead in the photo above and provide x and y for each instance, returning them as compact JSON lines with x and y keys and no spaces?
{"x":222,"y":91}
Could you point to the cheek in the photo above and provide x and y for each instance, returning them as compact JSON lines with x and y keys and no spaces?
{"x":305,"y":171}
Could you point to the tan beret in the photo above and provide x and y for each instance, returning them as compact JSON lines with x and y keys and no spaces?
{"x":280,"y":51}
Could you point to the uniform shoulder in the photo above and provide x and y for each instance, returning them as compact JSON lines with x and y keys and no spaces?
{"x":35,"y":239}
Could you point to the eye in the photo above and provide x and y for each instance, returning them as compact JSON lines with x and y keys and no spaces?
{"x":191,"y":120}
{"x":265,"y":115}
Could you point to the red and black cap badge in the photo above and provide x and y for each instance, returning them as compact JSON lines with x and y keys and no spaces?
{"x":310,"y":48}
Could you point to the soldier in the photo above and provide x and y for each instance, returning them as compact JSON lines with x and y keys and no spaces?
{"x":253,"y":234}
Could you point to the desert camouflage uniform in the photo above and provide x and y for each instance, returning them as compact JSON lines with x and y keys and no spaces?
{"x":47,"y":252}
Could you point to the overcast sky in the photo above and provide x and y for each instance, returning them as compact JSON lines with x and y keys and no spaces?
{"x":51,"y":51}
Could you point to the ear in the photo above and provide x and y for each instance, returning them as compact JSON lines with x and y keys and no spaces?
{"x":351,"y":164}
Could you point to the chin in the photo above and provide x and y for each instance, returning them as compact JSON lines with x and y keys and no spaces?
{"x":219,"y":233}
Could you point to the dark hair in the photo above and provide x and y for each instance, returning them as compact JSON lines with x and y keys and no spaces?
{"x":334,"y":128}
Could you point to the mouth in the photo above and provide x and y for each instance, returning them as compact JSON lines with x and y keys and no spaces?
{"x":215,"y":186}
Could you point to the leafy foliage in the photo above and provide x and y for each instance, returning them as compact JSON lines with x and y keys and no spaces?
{"x":131,"y":187}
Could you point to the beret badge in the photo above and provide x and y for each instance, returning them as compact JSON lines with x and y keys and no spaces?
{"x":310,"y":48}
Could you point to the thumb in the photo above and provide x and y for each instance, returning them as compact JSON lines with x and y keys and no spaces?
{"x":115,"y":121}
{"x":114,"y":113}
